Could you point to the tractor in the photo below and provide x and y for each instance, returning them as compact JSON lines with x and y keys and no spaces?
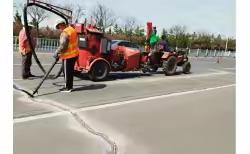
{"x":167,"y":59}
{"x":98,"y":58}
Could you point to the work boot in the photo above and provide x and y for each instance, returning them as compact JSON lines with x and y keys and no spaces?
{"x":31,"y":75}
{"x":65,"y":90}
{"x":25,"y":77}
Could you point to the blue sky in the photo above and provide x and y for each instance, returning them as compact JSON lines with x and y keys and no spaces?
{"x":212,"y":16}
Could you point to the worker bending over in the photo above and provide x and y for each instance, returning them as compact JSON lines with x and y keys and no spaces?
{"x":67,"y":52}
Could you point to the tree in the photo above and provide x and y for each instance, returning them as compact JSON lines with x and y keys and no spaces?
{"x":120,"y":31}
{"x":37,"y":16}
{"x":129,"y":26}
{"x":110,"y":31}
{"x":139,"y":31}
{"x":164,"y":32}
{"x":231,"y":44}
{"x":179,"y":32}
{"x":17,"y":18}
{"x":103,"y":16}
{"x":78,"y":11}
{"x":218,"y":42}
{"x":116,"y":29}
{"x":17,"y":25}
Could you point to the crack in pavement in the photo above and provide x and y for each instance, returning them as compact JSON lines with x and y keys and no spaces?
{"x":74,"y":114}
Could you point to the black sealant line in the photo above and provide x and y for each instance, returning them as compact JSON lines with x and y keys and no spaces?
{"x":76,"y":116}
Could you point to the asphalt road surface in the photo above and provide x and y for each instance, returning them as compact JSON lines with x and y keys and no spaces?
{"x":130,"y":113}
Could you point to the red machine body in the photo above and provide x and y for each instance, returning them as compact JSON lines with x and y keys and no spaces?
{"x":96,"y":55}
{"x":97,"y":58}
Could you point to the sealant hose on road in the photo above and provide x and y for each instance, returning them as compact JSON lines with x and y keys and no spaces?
{"x":55,"y":10}
{"x":40,"y":84}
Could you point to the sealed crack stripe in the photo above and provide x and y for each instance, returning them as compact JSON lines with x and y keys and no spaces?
{"x":74,"y":114}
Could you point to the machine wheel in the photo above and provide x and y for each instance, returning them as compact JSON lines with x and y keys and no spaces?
{"x":77,"y":72}
{"x":186,"y":67}
{"x":145,"y":70}
{"x":99,"y":71}
{"x":170,"y":65}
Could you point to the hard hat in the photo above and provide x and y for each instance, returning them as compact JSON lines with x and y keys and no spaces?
{"x":61,"y":21}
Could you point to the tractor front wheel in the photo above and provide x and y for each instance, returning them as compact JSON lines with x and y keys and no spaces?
{"x":99,"y":71}
{"x":186,"y":67}
{"x":170,"y":65}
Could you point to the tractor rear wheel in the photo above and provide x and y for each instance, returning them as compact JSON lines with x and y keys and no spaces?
{"x":170,"y":65}
{"x":186,"y":67}
{"x":99,"y":71}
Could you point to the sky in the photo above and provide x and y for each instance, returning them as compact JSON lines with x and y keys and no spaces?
{"x":211,"y":16}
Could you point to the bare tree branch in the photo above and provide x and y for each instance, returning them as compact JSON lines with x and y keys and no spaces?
{"x":37,"y":15}
{"x":103,"y":16}
{"x":78,"y":11}
{"x":130,"y":23}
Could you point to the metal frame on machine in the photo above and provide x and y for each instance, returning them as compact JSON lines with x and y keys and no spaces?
{"x":51,"y":8}
{"x":67,"y":16}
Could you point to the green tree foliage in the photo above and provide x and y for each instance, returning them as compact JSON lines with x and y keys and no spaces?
{"x":116,"y":29}
{"x":164,"y":32}
{"x":17,"y":18}
{"x":139,"y":31}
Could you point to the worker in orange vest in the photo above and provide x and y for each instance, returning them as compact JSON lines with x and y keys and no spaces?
{"x":25,"y":51}
{"x":67,"y":52}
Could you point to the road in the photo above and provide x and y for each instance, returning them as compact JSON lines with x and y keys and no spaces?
{"x":130,"y":113}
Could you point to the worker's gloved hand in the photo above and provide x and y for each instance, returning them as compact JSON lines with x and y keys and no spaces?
{"x":56,"y":55}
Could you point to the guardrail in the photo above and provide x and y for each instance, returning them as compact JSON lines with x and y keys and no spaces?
{"x":210,"y":53}
{"x":49,"y":45}
{"x":43,"y":44}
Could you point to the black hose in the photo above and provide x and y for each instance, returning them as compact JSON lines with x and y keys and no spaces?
{"x":27,"y":31}
{"x":25,"y":91}
{"x":45,"y":76}
{"x":59,"y":72}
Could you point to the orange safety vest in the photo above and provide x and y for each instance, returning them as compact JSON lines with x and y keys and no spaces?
{"x":72,"y":50}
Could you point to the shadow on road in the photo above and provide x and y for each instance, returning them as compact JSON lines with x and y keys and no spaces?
{"x":89,"y":87}
{"x":115,"y":75}
{"x":76,"y":88}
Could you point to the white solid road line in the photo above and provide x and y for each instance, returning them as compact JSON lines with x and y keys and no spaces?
{"x":151,"y":98}
{"x":232,"y":68}
{"x":42,"y":116}
{"x":140,"y":100}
